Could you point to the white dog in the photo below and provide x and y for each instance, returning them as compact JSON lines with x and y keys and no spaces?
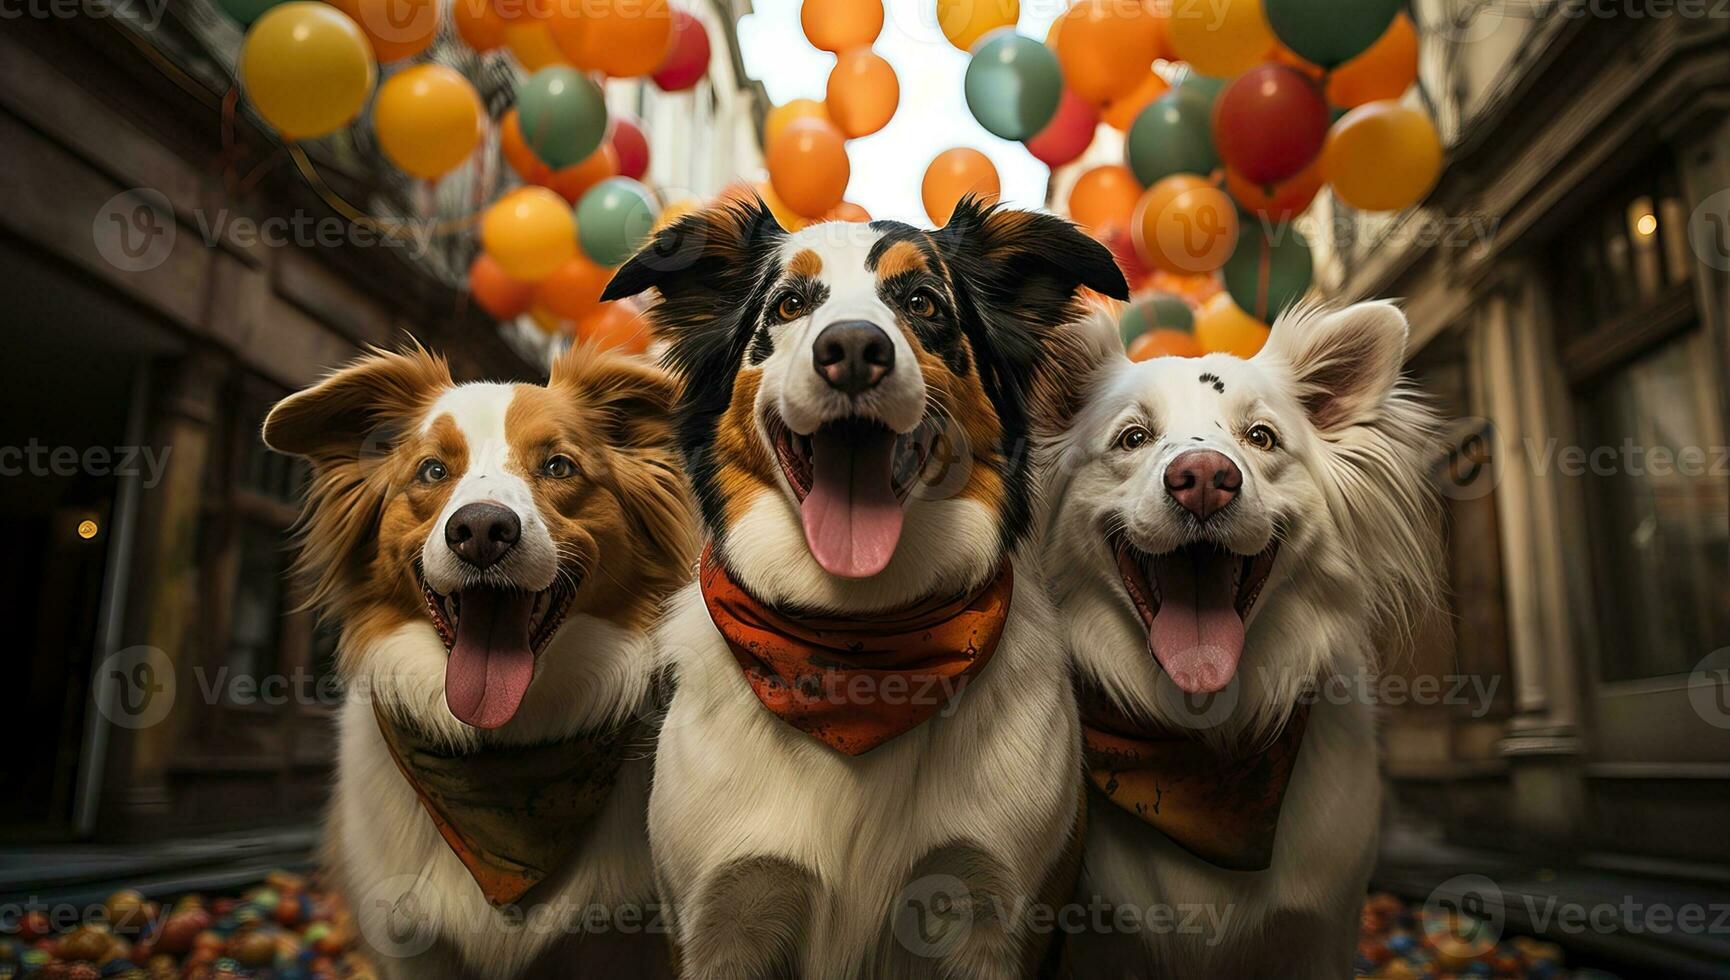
{"x":1222,"y":537}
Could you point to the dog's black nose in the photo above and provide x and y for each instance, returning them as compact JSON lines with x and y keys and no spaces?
{"x":853,"y":355}
{"x":1203,"y":482}
{"x":482,"y":533}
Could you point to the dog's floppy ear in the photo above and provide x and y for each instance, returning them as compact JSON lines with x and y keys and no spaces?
{"x":637,"y":397}
{"x":348,"y":411}
{"x":699,"y":252}
{"x":1344,"y":363}
{"x":1029,"y":262}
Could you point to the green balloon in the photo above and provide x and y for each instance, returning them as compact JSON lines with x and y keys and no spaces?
{"x":563,"y":115}
{"x":1013,"y":84}
{"x":1157,"y":312}
{"x":1205,"y":86}
{"x":1268,"y":271}
{"x":1330,"y":32}
{"x":245,"y":12}
{"x":613,"y":218}
{"x":1173,"y":135}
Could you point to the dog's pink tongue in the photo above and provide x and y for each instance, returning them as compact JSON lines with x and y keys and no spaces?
{"x":1197,"y":635}
{"x":490,"y":663}
{"x":852,"y":517}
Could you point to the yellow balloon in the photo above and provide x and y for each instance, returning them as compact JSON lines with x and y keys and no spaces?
{"x":964,"y":22}
{"x":1221,"y":39}
{"x":1222,"y":328}
{"x":1382,"y":156}
{"x":428,"y":119}
{"x":307,"y":68}
{"x":532,"y":44}
{"x":786,"y":112}
{"x":529,"y":232}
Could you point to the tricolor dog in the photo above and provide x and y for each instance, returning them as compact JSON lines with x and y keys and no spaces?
{"x":494,"y":554}
{"x":1221,"y":537}
{"x":870,"y":766}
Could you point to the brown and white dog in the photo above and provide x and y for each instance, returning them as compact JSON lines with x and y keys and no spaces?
{"x":871,"y":701}
{"x":1223,"y":539}
{"x":494,"y":554}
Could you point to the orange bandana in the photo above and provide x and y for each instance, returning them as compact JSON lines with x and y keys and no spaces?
{"x":1222,"y":809}
{"x":511,"y":813}
{"x":855,"y":684}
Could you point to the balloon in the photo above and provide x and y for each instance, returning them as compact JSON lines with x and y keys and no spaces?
{"x":572,"y":182}
{"x":562,"y":113}
{"x":847,"y":211}
{"x":1154,"y":313}
{"x":1185,"y":224}
{"x":863,"y":92}
{"x":500,"y":295}
{"x":786,"y":216}
{"x":1330,"y":32}
{"x":307,"y":68}
{"x":1384,"y":71}
{"x":615,"y":326}
{"x":839,"y":25}
{"x":573,"y":289}
{"x":1068,"y":134}
{"x":397,"y":29}
{"x":520,"y":11}
{"x":1172,"y":136}
{"x":623,"y":38}
{"x":1196,"y":288}
{"x":1106,"y":47}
{"x":687,"y":58}
{"x":953,"y":174}
{"x":787,"y":112}
{"x":631,"y":146}
{"x":1269,"y":123}
{"x":1164,"y":342}
{"x":1197,"y":85}
{"x":517,"y":153}
{"x":1104,"y":197}
{"x":1281,"y":202}
{"x":1269,"y":271}
{"x":964,"y":22}
{"x":529,"y":233}
{"x":1013,"y":84}
{"x":478,"y":23}
{"x":531,"y":43}
{"x":1382,"y":156}
{"x":428,"y":119}
{"x":1279,"y":54}
{"x":1120,"y":112}
{"x":246,"y":11}
{"x":1220,"y":327}
{"x":1223,"y":37}
{"x":613,"y":218}
{"x":808,"y":166}
{"x":1118,"y":239}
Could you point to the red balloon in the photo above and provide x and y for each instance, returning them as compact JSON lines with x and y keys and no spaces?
{"x":1269,"y":123}
{"x":687,"y":56}
{"x":631,"y":146}
{"x":1122,"y":246}
{"x":1069,"y":132}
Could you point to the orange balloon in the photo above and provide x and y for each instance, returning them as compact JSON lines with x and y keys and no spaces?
{"x":623,"y":38}
{"x":398,"y":29}
{"x":427,"y":119}
{"x":530,"y":233}
{"x":808,"y":166}
{"x":837,"y":25}
{"x":1281,"y":202}
{"x":964,"y":22}
{"x":786,"y":216}
{"x":1222,"y":328}
{"x":515,"y":11}
{"x":1280,"y":54}
{"x":478,"y":23}
{"x":1164,"y":342}
{"x":532,"y":45}
{"x":863,"y":92}
{"x":1104,"y":197}
{"x":1185,"y":224}
{"x":517,"y":153}
{"x":1384,"y":71}
{"x":1222,"y":38}
{"x":1197,"y":288}
{"x":848,"y":211}
{"x":574,"y":288}
{"x":500,"y":295}
{"x":1107,"y":47}
{"x":574,"y":181}
{"x":1120,"y":112}
{"x":785,"y":113}
{"x":615,"y":326}
{"x":953,"y":174}
{"x":1382,"y":156}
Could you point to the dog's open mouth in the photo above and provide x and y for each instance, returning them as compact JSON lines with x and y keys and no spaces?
{"x":1194,"y":602}
{"x":852,"y":477}
{"x":493,"y":636}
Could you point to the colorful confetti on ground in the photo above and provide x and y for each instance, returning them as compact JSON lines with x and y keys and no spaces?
{"x":1415,"y":942}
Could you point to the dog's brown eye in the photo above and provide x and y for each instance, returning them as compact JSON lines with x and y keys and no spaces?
{"x":431,"y":471}
{"x":922,"y":303}
{"x":791,"y":307}
{"x":559,"y":466}
{"x":1132,"y":438}
{"x":1262,"y":438}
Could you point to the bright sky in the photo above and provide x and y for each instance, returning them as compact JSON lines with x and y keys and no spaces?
{"x":889,"y":164}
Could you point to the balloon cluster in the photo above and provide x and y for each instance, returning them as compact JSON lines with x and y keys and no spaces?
{"x":1236,"y":114}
